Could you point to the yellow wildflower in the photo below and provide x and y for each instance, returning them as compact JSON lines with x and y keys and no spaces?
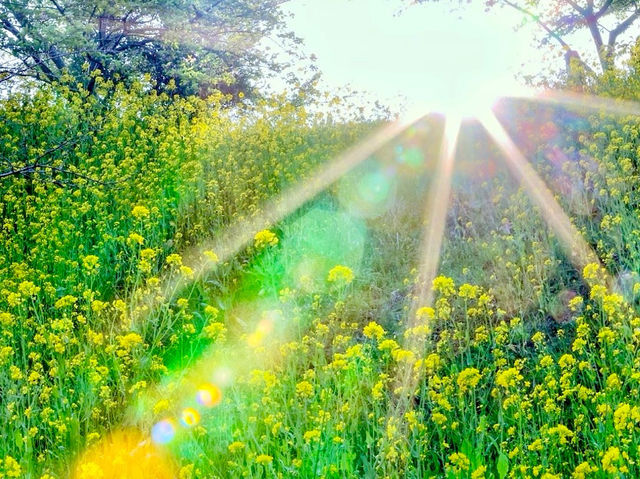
{"x":139,"y":212}
{"x":468,"y":379}
{"x":265,"y":238}
{"x":372,"y":330}
{"x":264,"y":459}
{"x":340,"y":274}
{"x":235,"y":446}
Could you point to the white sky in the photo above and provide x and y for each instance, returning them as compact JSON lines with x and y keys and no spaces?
{"x":425,"y":53}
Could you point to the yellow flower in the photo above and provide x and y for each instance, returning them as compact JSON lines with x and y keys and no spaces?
{"x":27,"y":288}
{"x":610,"y":460}
{"x":211,"y":256}
{"x":14,"y":299}
{"x":444,"y":285}
{"x":97,"y":305}
{"x":582,"y":469}
{"x":214,"y":331}
{"x":340,"y":274}
{"x":479,"y":472}
{"x":538,"y":337}
{"x":235,"y":446}
{"x":438,"y":418}
{"x":11,"y":467}
{"x":468,"y":291}
{"x":182,"y":303}
{"x":264,"y":459}
{"x":7,"y":319}
{"x":186,"y":472}
{"x":148,"y":253}
{"x":563,"y":433}
{"x":388,"y":345}
{"x":161,"y":406}
{"x":403,"y":355}
{"x":136,"y":238}
{"x":425,"y":313}
{"x":566,"y":361}
{"x":91,"y":263}
{"x":312,"y":435}
{"x":508,"y":378}
{"x":613,"y":381}
{"x":90,"y":470}
{"x":372,"y":330}
{"x":304,"y":389}
{"x":468,"y":379}
{"x":265,"y":238}
{"x":459,"y":461}
{"x":377,"y":390}
{"x":546,"y":361}
{"x":129,"y":340}
{"x":536,"y":445}
{"x":186,"y":272}
{"x":574,"y":305}
{"x":139,"y":212}
{"x":65,"y":301}
{"x":174,"y":259}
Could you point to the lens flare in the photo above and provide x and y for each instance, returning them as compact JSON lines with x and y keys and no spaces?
{"x":163,"y":432}
{"x":124,"y":454}
{"x":209,"y":395}
{"x":265,"y":326}
{"x":223,"y":376}
{"x":412,"y":157}
{"x":190,"y":417}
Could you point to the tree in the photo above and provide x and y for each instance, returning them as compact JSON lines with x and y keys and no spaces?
{"x":199,"y":44}
{"x":607,"y":21}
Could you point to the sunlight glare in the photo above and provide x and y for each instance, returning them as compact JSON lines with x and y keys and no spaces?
{"x":577,"y":249}
{"x":434,"y":221}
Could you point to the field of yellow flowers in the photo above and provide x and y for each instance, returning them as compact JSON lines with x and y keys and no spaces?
{"x":288,"y":359}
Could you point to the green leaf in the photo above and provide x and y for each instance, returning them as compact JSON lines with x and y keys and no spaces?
{"x":502,"y":466}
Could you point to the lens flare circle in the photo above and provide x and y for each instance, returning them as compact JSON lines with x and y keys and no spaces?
{"x":223,"y":376}
{"x":209,"y":395}
{"x":190,"y":417}
{"x":163,"y":431}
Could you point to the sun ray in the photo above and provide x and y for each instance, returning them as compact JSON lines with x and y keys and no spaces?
{"x":434,"y":222}
{"x":584,"y":101}
{"x":575,"y":246}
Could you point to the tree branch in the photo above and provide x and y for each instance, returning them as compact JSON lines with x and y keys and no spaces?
{"x":603,"y":9}
{"x":622,"y":27}
{"x":547,"y":29}
{"x":58,"y":7}
{"x":577,"y":8}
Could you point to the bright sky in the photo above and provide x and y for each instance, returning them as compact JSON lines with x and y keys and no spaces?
{"x":426,"y":53}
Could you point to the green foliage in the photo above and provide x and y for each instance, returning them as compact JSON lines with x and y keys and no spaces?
{"x":200,"y":46}
{"x":98,"y":191}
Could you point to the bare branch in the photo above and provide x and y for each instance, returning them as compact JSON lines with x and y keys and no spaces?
{"x":58,"y":7}
{"x":577,"y":8}
{"x":603,"y":10}
{"x":622,"y":27}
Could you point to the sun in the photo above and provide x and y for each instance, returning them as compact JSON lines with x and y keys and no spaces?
{"x":460,"y":98}
{"x":464,"y":73}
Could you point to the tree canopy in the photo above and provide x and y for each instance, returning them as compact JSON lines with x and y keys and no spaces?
{"x":197,"y":44}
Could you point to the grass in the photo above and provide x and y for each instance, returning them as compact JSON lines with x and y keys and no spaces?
{"x":284,"y":361}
